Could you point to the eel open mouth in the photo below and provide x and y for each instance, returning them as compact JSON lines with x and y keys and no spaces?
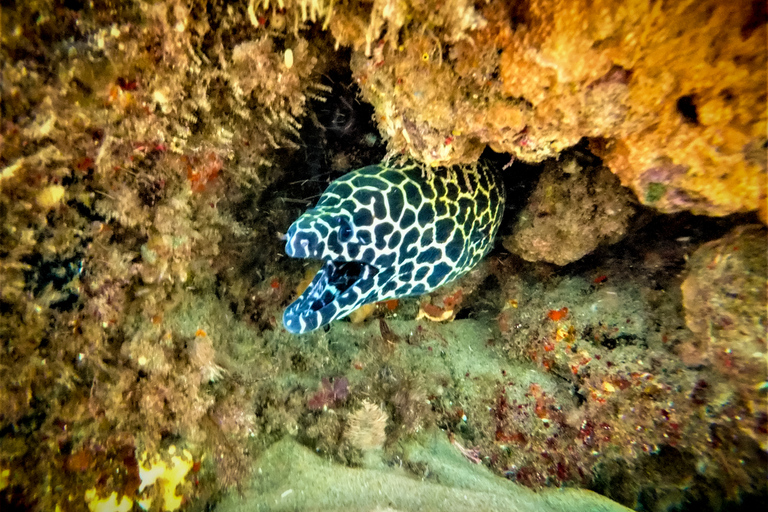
{"x":331,"y":294}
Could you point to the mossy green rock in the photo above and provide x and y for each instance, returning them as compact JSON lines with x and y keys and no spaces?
{"x":290,"y":477}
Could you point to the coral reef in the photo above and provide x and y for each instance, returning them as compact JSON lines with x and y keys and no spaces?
{"x":672,"y":95}
{"x":152,"y":153}
{"x":575,"y":207}
{"x":123,"y":129}
{"x":618,"y":345}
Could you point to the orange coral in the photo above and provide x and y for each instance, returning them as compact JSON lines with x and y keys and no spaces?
{"x":557,"y":314}
{"x":672,"y":95}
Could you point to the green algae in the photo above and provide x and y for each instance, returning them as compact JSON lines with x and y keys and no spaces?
{"x":654,"y":192}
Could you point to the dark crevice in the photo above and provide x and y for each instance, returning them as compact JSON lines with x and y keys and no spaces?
{"x":686,"y":106}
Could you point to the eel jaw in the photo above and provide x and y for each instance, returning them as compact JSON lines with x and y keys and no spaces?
{"x":338,"y":288}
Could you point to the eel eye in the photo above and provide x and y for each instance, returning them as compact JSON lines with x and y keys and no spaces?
{"x":345,"y":229}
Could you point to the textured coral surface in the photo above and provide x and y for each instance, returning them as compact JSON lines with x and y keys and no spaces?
{"x":153,"y":152}
{"x":673,"y":94}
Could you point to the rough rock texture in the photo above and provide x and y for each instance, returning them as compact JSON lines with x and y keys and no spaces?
{"x":124,"y":130}
{"x":672,"y":94}
{"x":574,"y":208}
{"x":725,"y":292}
{"x":724,"y":296}
{"x":614,"y":330}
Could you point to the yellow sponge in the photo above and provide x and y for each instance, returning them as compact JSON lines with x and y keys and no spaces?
{"x":168,"y":476}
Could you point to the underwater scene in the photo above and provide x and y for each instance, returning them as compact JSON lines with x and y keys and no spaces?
{"x":383,"y":255}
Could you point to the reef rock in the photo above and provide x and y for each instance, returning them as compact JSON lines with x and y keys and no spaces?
{"x":574,"y":208}
{"x":725,"y":292}
{"x":309,"y":482}
{"x":724,"y":296}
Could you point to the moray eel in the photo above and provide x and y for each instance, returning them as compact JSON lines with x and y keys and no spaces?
{"x":388,"y":231}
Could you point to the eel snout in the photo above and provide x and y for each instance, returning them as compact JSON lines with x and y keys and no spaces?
{"x":338,"y":288}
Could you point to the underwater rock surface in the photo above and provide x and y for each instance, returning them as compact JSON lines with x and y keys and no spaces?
{"x":453,"y":484}
{"x":724,"y":296}
{"x":672,"y":96}
{"x":152,"y":153}
{"x":575,"y":208}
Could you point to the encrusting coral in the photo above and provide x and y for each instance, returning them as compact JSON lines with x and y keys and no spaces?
{"x":672,"y":95}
